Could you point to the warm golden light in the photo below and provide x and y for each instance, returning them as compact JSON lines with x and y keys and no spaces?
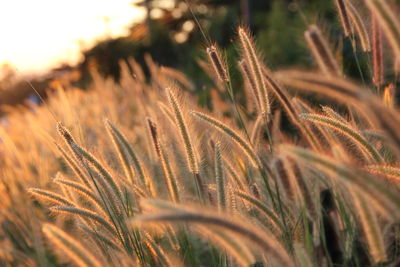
{"x":37,"y":35}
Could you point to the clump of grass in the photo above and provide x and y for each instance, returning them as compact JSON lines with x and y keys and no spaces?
{"x":324,"y":192}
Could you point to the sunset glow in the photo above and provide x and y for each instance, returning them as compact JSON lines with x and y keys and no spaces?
{"x":41,"y":34}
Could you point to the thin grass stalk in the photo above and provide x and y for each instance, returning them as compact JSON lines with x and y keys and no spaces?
{"x":167,"y":112}
{"x":304,"y":186}
{"x":76,"y":251}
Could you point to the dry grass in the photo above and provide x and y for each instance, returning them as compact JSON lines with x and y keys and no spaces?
{"x":145,"y":176}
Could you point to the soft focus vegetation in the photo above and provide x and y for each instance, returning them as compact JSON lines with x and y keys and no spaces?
{"x":261,"y":167}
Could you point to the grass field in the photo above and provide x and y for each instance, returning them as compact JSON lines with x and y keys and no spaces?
{"x":289,"y":168}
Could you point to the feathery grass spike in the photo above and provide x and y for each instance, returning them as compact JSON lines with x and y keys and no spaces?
{"x":253,"y":63}
{"x":347,"y":130}
{"x":139,"y":171}
{"x":217,"y":63}
{"x":184,"y":131}
{"x":50,"y":196}
{"x":170,"y":178}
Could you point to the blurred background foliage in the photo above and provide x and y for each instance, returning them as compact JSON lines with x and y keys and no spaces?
{"x":172,"y":37}
{"x":170,"y":34}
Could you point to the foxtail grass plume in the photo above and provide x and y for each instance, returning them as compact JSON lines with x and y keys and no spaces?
{"x":252,"y":62}
{"x":217,"y":63}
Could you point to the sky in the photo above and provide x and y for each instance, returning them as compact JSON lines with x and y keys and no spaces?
{"x":36,"y":35}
